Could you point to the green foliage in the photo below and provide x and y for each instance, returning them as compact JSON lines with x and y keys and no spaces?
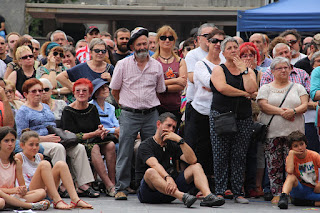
{"x":35,"y":27}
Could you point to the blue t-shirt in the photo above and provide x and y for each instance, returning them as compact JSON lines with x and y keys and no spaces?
{"x":84,"y":71}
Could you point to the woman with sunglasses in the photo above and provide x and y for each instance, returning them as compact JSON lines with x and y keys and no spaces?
{"x":174,"y":71}
{"x":54,"y":55}
{"x":25,"y":59}
{"x":92,"y":69}
{"x":37,"y":116}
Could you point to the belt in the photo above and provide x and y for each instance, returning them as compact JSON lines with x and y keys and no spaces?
{"x":140,"y":111}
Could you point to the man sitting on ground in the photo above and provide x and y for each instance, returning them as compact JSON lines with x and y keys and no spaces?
{"x":302,"y":166}
{"x":154,"y":168}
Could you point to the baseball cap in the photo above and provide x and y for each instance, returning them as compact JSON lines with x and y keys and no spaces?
{"x":92,"y":28}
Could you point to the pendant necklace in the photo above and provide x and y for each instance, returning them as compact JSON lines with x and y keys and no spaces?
{"x":166,"y":59}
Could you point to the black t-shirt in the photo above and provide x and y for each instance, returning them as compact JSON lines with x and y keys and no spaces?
{"x":7,"y":60}
{"x":223,"y":103}
{"x":304,"y":64}
{"x":2,"y":19}
{"x":166,"y":156}
{"x":117,"y":57}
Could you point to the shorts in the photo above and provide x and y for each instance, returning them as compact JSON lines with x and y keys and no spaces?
{"x":304,"y":192}
{"x":147,"y":195}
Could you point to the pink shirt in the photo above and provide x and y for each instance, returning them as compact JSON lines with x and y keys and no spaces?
{"x":7,"y":176}
{"x":138,"y":88}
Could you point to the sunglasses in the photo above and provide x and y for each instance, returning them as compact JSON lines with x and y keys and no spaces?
{"x":98,"y":51}
{"x":26,"y":57}
{"x":31,"y":47}
{"x":34,"y":91}
{"x":2,"y":43}
{"x":204,"y":35}
{"x":215,"y":40}
{"x":57,"y":53}
{"x":35,"y":48}
{"x":111,"y":48}
{"x":164,"y":38}
{"x":46,"y":89}
{"x":187,"y":48}
{"x":292,"y":41}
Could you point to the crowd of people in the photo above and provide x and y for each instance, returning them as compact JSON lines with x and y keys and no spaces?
{"x":163,"y":121}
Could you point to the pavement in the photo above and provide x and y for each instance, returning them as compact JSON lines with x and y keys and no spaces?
{"x":105,"y":204}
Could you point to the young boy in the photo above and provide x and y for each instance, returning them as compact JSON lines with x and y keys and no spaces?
{"x":302,"y":166}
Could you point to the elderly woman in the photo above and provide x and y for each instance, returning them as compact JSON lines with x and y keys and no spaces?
{"x":26,"y":71}
{"x":174,"y":72}
{"x":56,"y":105}
{"x":37,"y":116}
{"x":82,"y":118}
{"x":287,"y":118}
{"x":232,"y":86}
{"x":95,"y":68}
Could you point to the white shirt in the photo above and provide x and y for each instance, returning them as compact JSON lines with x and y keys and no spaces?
{"x":295,"y":60}
{"x":201,"y":78}
{"x":3,"y":68}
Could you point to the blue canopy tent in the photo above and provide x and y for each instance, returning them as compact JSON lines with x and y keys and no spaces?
{"x":302,"y":15}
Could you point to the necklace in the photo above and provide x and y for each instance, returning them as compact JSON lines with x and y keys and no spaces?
{"x":3,"y":166}
{"x":155,"y":140}
{"x":166,"y":59}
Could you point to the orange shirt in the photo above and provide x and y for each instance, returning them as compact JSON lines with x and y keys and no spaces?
{"x":307,"y":169}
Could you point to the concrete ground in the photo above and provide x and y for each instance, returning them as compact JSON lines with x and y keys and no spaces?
{"x":105,"y":204}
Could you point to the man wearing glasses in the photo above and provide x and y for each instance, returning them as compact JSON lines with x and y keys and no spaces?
{"x":294,"y":40}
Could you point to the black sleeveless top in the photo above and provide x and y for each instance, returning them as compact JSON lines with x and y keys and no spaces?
{"x":21,"y":78}
{"x":222,"y":103}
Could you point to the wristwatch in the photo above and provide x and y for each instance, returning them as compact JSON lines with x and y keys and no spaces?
{"x":245,"y":72}
{"x":182,"y":141}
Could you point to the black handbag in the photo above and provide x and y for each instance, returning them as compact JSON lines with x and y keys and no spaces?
{"x":68,"y":139}
{"x":225,"y":124}
{"x":260,"y":130}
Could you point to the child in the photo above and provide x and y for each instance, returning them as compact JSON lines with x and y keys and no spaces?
{"x":302,"y":166}
{"x":10,"y":171}
{"x":38,"y":173}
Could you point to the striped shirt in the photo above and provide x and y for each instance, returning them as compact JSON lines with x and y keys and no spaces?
{"x":83,"y":54}
{"x":296,"y":75}
{"x":138,"y":88}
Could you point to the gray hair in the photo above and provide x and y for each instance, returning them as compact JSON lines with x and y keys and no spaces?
{"x":274,"y":50}
{"x":314,"y":56}
{"x":225,"y":41}
{"x":97,"y":41}
{"x":58,"y":31}
{"x":279,"y":60}
{"x":205,"y":26}
{"x":70,"y":49}
{"x":46,"y":81}
{"x":152,"y":34}
{"x":35,"y":41}
{"x":261,"y":35}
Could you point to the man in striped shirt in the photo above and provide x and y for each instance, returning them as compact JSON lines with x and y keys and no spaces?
{"x":83,"y":54}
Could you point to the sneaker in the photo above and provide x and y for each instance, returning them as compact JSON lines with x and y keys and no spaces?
{"x":283,"y":201}
{"x":212,"y":200}
{"x":120,"y":196}
{"x":241,"y":200}
{"x":188,"y":199}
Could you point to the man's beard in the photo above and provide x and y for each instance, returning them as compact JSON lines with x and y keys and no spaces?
{"x":122,"y":48}
{"x":143,"y":53}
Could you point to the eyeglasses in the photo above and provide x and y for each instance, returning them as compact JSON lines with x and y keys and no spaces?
{"x":281,"y":68}
{"x":292,"y":41}
{"x":204,"y":35}
{"x":215,"y":40}
{"x":26,"y":57}
{"x":164,"y":38}
{"x":57,"y":53}
{"x":34,"y":91}
{"x":247,"y":56}
{"x":9,"y":91}
{"x":81,"y":90}
{"x":35,"y":48}
{"x":46,"y":89}
{"x":98,"y":51}
{"x":187,"y":48}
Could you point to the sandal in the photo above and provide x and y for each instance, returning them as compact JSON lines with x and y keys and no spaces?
{"x":61,"y":201}
{"x":90,"y":192}
{"x":75,"y":205}
{"x":228,"y":194}
{"x":42,"y":205}
{"x":111,"y":191}
{"x":63,"y":194}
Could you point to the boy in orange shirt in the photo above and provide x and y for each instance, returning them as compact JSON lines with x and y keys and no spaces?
{"x":302,"y":166}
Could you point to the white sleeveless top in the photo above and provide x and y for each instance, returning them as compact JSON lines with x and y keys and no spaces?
{"x":29,"y":167}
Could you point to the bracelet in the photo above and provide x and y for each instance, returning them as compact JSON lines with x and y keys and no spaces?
{"x":165,"y":177}
{"x":59,"y":90}
{"x":79,"y":136}
{"x":52,"y":70}
{"x":294,"y":110}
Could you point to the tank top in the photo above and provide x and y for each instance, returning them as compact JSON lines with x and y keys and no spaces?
{"x":7,"y":175}
{"x":223,"y":103}
{"x":29,"y":167}
{"x":170,"y":100}
{"x":21,"y":78}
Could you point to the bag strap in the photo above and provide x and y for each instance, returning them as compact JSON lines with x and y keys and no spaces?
{"x":284,"y":98}
{"x":209,"y":69}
